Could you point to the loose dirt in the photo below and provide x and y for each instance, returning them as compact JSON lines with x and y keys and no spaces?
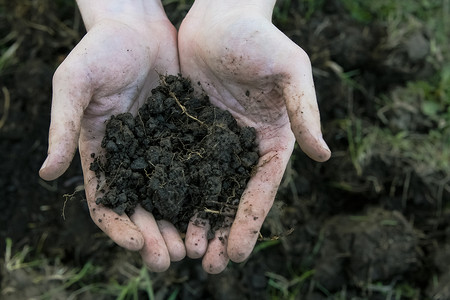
{"x":177,"y":157}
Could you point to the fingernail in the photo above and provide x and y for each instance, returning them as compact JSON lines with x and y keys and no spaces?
{"x":324,"y":144}
{"x":325,"y":147}
{"x":44,"y":165}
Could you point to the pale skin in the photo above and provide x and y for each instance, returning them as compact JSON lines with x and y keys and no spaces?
{"x":243,"y":62}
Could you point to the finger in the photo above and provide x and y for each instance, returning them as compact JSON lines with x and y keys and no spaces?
{"x":300,"y":98}
{"x":71,"y":95}
{"x":256,"y":202}
{"x":216,"y":258}
{"x":173,"y":241}
{"x":154,"y":253}
{"x":197,"y":237}
{"x":119,"y":228}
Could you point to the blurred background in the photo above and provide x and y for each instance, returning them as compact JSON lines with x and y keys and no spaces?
{"x":371,"y":223}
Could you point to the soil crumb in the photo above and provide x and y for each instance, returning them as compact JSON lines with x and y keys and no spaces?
{"x":178,"y":156}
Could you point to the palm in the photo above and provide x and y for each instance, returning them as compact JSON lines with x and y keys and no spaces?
{"x":124,"y":69}
{"x":121,"y":70}
{"x":250,"y":68}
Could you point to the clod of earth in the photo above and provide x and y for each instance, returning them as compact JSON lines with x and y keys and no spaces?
{"x":178,"y":156}
{"x":377,"y":246}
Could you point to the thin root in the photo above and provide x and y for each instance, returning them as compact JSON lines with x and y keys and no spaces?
{"x":183,"y":108}
{"x":210,"y":211}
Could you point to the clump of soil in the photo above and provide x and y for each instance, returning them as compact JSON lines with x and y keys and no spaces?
{"x":376,"y":246}
{"x":178,"y":156}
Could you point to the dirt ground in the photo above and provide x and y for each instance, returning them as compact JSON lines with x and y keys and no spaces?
{"x":371,"y":223}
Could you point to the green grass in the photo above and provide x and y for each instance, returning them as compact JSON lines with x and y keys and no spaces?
{"x":426,"y":100}
{"x":280,"y":287}
{"x":7,"y":53}
{"x":31,"y":266}
{"x":384,"y":10}
{"x":130,"y":290}
{"x":51,"y":279}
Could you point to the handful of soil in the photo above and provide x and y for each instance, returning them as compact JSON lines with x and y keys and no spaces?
{"x":179,"y":156}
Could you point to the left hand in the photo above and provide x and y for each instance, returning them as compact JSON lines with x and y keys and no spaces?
{"x":250,"y":68}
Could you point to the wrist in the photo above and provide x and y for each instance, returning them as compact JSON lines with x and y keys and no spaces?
{"x":130,"y":12}
{"x":201,"y":8}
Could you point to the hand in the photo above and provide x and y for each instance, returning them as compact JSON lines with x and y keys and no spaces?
{"x":247,"y":66}
{"x":112,"y":70}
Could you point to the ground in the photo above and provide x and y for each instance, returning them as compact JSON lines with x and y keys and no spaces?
{"x":371,"y":223}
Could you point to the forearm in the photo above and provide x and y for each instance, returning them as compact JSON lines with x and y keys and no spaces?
{"x":136,"y":11}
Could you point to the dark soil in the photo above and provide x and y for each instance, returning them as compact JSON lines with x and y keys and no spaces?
{"x":178,"y":156}
{"x":378,"y":245}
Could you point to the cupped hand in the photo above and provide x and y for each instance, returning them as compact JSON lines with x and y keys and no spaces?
{"x":250,"y":68}
{"x":112,"y":70}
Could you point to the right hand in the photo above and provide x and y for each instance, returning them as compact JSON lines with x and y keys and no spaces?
{"x":112,"y":70}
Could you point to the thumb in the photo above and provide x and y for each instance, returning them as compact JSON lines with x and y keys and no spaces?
{"x":302,"y":108}
{"x":70,"y":97}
